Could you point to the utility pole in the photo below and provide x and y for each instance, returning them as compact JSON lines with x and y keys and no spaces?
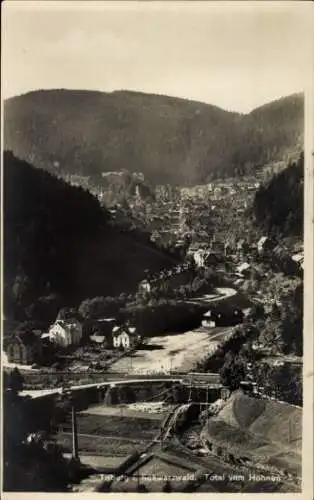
{"x":190,"y":391}
{"x":207,"y":413}
{"x":75,"y":455}
{"x":69,"y":396}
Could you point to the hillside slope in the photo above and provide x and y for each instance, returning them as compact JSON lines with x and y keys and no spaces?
{"x":278,"y":206}
{"x":267,"y":431}
{"x":265,"y":418}
{"x":170,"y":140}
{"x":59,"y":240}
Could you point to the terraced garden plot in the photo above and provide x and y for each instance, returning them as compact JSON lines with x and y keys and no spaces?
{"x":101,"y":446}
{"x":102,"y":425}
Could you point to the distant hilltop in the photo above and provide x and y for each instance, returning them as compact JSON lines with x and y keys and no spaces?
{"x":169,"y":140}
{"x":114,"y":187}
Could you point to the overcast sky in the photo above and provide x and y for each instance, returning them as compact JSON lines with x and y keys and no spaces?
{"x":236,"y":57}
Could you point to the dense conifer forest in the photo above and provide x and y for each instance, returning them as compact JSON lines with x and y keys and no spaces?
{"x":59,"y":240}
{"x":278,"y":206}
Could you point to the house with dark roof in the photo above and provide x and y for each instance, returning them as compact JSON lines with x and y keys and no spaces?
{"x":23,"y":348}
{"x":100,"y":331}
{"x":242,"y":247}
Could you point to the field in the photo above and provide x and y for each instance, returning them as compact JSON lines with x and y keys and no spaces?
{"x":117,"y":426}
{"x":95,"y":445}
{"x":172,"y":353}
{"x":109,"y":435}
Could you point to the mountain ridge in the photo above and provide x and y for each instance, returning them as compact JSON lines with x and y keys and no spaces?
{"x":156,"y":94}
{"x":171,"y":140}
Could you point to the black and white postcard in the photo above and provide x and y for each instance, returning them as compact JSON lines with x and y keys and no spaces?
{"x":157,"y":278}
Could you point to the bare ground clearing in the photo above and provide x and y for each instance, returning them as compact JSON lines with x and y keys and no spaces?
{"x":175,"y":353}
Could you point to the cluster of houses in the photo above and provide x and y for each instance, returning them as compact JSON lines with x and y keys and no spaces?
{"x":166,"y":221}
{"x":206,"y":254}
{"x":188,"y":212}
{"x":28,"y":347}
{"x":151,"y":280}
{"x":219,"y":189}
{"x":109,"y":334}
{"x":242,"y":247}
{"x":216,"y":253}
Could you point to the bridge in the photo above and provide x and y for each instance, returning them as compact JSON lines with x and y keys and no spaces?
{"x":201,"y":380}
{"x":108,"y":383}
{"x":194,"y":379}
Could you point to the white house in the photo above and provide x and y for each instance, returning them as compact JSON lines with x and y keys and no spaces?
{"x":125,"y":337}
{"x":200,"y":257}
{"x":145,"y":286}
{"x":208,"y":320}
{"x":66,"y":332}
{"x":299,"y":259}
{"x":243,"y":269}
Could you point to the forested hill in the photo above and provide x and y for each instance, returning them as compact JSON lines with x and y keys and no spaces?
{"x":270,"y":133}
{"x":170,"y":140}
{"x":59,"y":240}
{"x":278,"y":207}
